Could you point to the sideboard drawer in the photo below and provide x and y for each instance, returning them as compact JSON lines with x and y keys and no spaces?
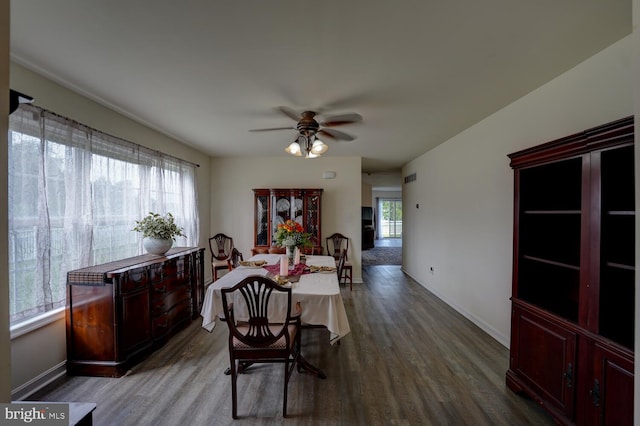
{"x":134,"y":279}
{"x":161,"y":305}
{"x":163,"y":325}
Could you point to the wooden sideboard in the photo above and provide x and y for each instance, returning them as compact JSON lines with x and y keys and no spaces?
{"x":119,"y":312}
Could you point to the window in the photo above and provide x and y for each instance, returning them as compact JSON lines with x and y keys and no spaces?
{"x":74,"y":196}
{"x":391,"y":226}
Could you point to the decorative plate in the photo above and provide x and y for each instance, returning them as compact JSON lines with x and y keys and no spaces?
{"x":283,"y":205}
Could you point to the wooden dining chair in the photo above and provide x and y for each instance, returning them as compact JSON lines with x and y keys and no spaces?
{"x":221,"y":246}
{"x":340,"y":267}
{"x":335,"y":244}
{"x":234,"y":258}
{"x":260,"y":339}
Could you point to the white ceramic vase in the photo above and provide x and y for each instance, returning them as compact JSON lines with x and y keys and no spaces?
{"x":156,"y":246}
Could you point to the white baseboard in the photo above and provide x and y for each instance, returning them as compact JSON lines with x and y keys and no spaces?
{"x":499,"y":337}
{"x":26,"y":390}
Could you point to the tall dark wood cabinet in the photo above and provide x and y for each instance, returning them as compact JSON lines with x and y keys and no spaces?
{"x":276,"y":206}
{"x":119,"y":312}
{"x":572,"y":326}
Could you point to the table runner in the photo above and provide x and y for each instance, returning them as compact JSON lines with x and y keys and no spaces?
{"x":298,"y":269}
{"x":99,"y":275}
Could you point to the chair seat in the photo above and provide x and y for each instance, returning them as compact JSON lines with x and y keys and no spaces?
{"x":281,"y":343}
{"x":220,"y":264}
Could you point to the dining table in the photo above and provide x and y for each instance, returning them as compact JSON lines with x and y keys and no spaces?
{"x":314,"y":286}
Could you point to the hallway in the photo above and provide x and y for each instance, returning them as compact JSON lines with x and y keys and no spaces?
{"x":386,"y":251}
{"x":388,"y":242}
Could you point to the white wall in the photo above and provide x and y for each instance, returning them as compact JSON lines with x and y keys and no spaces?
{"x":232,"y":196}
{"x":463,"y":227}
{"x":366,"y":191}
{"x":40,"y":355}
{"x":5,"y":354}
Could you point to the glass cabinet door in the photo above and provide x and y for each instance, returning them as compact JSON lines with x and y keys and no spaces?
{"x":312,"y":223}
{"x":617,"y":245}
{"x":261,"y":218}
{"x":549,"y":237}
{"x":275,"y":206}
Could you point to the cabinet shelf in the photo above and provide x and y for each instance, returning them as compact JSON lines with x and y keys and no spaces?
{"x":552,"y":212}
{"x":620,"y":266}
{"x":621,"y":213}
{"x":551,"y":262}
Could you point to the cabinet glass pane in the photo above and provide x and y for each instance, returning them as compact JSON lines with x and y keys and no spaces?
{"x":297,"y":210}
{"x":313,"y":218}
{"x":617,"y":246}
{"x":617,"y":173}
{"x":555,"y":186}
{"x":262,"y":221}
{"x":281,"y":206}
{"x":618,"y":206}
{"x":551,"y":237}
{"x":617,"y":296}
{"x":549,"y":286}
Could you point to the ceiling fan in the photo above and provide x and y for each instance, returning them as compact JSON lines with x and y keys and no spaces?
{"x":309,"y":131}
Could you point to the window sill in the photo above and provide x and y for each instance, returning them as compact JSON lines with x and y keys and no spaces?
{"x":37,"y":322}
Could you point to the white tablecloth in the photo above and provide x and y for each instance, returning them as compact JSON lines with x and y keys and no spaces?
{"x":318,"y":294}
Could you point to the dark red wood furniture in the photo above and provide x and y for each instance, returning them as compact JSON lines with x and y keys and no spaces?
{"x":118,"y":313}
{"x":221,"y":246}
{"x":572,"y":327}
{"x":259,"y":339}
{"x":275,"y":206}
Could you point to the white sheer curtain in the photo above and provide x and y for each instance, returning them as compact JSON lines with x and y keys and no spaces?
{"x":74,"y":196}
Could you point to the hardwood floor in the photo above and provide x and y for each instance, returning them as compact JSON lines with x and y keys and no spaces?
{"x":409,"y":360}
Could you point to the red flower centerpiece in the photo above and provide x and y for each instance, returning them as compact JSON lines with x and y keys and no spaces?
{"x":290,"y":235}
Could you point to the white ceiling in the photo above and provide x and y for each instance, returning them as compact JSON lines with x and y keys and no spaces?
{"x":206,"y":72}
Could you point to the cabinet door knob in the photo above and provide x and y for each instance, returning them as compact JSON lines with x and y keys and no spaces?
{"x":569,"y":375}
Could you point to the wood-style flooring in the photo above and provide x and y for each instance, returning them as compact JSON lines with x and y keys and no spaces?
{"x":409,"y":360}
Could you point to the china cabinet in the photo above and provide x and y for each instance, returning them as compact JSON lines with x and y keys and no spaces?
{"x":275,"y":206}
{"x":119,"y":312}
{"x":572,"y":327}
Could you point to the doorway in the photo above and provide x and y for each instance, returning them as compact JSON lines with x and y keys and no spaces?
{"x":390,"y":214}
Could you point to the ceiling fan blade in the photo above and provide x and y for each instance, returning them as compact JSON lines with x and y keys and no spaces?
{"x":336,"y":134}
{"x":337,"y":120}
{"x":273,"y":128}
{"x":290,"y":112}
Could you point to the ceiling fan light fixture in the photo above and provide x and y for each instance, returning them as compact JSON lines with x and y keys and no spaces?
{"x":294,"y":149}
{"x":318,"y":147}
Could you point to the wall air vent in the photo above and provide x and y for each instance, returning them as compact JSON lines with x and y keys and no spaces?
{"x":410,"y":178}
